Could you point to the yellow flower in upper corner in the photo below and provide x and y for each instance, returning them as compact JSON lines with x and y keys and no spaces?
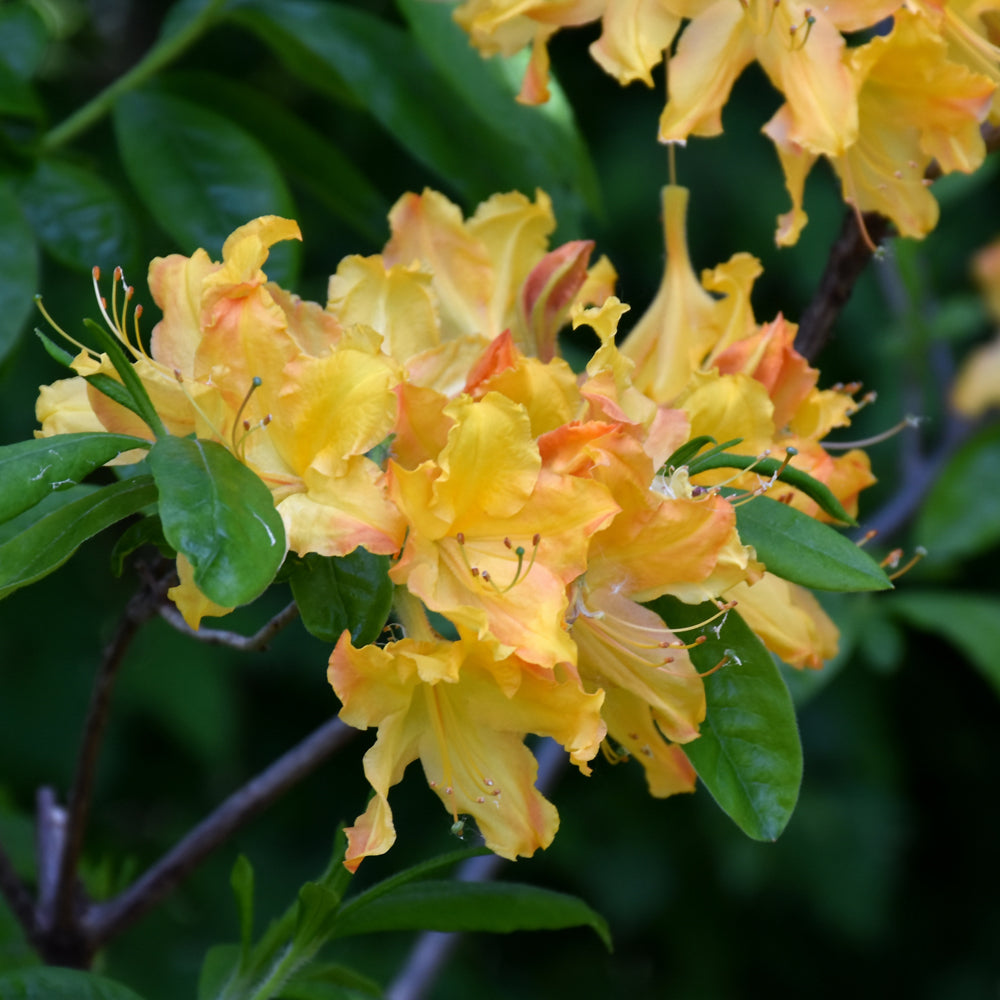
{"x":634,"y":34}
{"x":464,"y":712}
{"x":914,"y":106}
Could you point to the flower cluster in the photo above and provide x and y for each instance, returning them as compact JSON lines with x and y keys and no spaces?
{"x":880,"y":112}
{"x":423,"y":412}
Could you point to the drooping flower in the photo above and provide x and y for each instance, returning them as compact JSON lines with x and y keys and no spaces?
{"x":464,"y":712}
{"x":914,"y":106}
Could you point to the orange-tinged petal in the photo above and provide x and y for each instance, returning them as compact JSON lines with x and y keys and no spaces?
{"x":428,"y":228}
{"x":547,"y":294}
{"x":788,"y":619}
{"x":441,"y":702}
{"x":713,"y":50}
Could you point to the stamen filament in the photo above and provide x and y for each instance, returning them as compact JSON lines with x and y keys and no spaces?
{"x":908,"y":421}
{"x":918,"y":554}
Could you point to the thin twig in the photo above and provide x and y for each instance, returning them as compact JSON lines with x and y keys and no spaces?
{"x":219,"y":637}
{"x":139,"y":609}
{"x":50,"y":847}
{"x":433,"y":948}
{"x":105,"y":920}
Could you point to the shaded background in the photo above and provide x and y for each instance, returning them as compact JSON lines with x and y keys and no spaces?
{"x":885,"y":879}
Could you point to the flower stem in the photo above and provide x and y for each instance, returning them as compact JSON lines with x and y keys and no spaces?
{"x":164,"y":52}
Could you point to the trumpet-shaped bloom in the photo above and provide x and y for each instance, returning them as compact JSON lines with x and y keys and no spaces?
{"x":914,"y":106}
{"x":465,"y":714}
{"x":494,"y":535}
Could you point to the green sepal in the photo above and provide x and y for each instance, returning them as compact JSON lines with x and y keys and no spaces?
{"x":688,"y":453}
{"x":766,"y":467}
{"x":31,"y":470}
{"x":803,"y":550}
{"x":47,"y":543}
{"x":220,"y":516}
{"x":748,"y":755}
{"x":54,"y":351}
{"x":143,"y":405}
{"x":350,"y":592}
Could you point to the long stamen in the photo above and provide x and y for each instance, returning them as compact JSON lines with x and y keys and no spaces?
{"x":908,"y":421}
{"x":918,"y":554}
{"x":62,"y":333}
{"x":255,"y":384}
{"x":520,"y":572}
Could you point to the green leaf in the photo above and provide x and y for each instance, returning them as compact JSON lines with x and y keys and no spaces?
{"x":345,"y":53}
{"x":329,"y":981}
{"x":550,"y":148}
{"x":31,"y":470}
{"x":200,"y":175}
{"x":765,"y":467}
{"x":147,"y":531}
{"x":50,"y":541}
{"x":17,"y":97}
{"x":45,"y":983}
{"x":969,"y":621}
{"x":78,"y":217}
{"x":353,"y":592}
{"x":24,"y":38}
{"x":305,"y":154}
{"x":220,"y":515}
{"x":220,"y":965}
{"x":54,"y":351}
{"x":748,"y":754}
{"x":18,"y":270}
{"x":497,"y":907}
{"x":687,"y":451}
{"x":242,"y":880}
{"x":136,"y":397}
{"x":961,"y":516}
{"x":805,"y":551}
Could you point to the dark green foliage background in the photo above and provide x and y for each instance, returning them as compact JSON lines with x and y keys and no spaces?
{"x":885,"y":880}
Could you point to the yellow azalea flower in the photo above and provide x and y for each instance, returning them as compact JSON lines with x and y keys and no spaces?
{"x":444,"y":287}
{"x":634,"y":34}
{"x":228,"y":361}
{"x":788,"y":619}
{"x":494,"y":535}
{"x":971,"y":29}
{"x":914,"y":106}
{"x":465,"y":714}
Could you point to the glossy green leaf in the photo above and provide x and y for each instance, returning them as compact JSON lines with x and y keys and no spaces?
{"x":345,"y":51}
{"x":78,"y":217}
{"x":308,"y":156}
{"x":353,"y":592}
{"x":200,"y":175}
{"x":748,"y":754}
{"x":18,"y":270}
{"x":220,"y":515}
{"x":961,"y":516}
{"x":54,"y":351}
{"x":446,"y":905}
{"x":805,"y":551}
{"x":49,"y":541}
{"x":24,"y":37}
{"x":46,"y":983}
{"x":969,"y":621}
{"x":329,"y":981}
{"x":31,"y":470}
{"x":764,"y":467}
